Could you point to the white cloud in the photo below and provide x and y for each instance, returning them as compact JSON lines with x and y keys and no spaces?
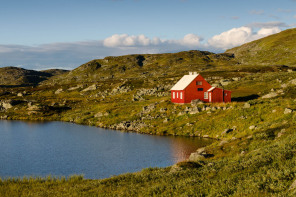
{"x":125,"y":40}
{"x":239,"y":36}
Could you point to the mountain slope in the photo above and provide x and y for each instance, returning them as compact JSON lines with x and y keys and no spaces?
{"x":276,"y":49}
{"x":20,"y":76}
{"x":144,"y":66}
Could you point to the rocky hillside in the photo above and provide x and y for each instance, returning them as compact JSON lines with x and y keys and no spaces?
{"x":144,"y":66}
{"x":20,"y":76}
{"x":277,"y":49}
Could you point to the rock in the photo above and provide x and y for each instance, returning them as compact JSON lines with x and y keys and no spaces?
{"x":90,"y":88}
{"x":205,"y":136}
{"x":100,"y":114}
{"x":75,"y":88}
{"x":293,"y":186}
{"x":226,"y":131}
{"x":181,"y":113}
{"x":270,"y":95}
{"x":149,"y":108}
{"x":32,"y":107}
{"x":293,"y":82}
{"x":236,"y":78}
{"x":290,"y":70}
{"x":201,"y":150}
{"x":247,"y":105}
{"x":223,"y":142}
{"x":288,"y":111}
{"x":224,"y":82}
{"x":281,"y":133}
{"x":273,"y":111}
{"x":196,"y":102}
{"x":284,"y":85}
{"x":162,"y":110}
{"x":208,"y":108}
{"x":59,"y":91}
{"x":252,"y":127}
{"x":243,"y":153}
{"x":196,"y":157}
{"x":20,"y":94}
{"x":4,"y":117}
{"x":6,"y":104}
{"x":166,"y":120}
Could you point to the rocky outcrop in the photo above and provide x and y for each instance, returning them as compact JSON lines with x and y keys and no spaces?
{"x":270,"y":95}
{"x":120,"y":90}
{"x":129,"y":126}
{"x":7,"y":104}
{"x":90,"y":88}
{"x":159,"y":91}
{"x":200,"y":154}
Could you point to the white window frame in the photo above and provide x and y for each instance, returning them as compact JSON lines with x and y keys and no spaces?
{"x":177,"y":94}
{"x":181,"y":95}
{"x":206,"y":95}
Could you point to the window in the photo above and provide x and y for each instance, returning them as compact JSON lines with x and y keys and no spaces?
{"x":225,"y":94}
{"x":206,"y":95}
{"x":173,"y":95}
{"x":177,"y":95}
{"x":199,"y":89}
{"x":199,"y":83}
{"x":181,"y":95}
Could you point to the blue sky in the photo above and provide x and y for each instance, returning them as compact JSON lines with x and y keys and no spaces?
{"x":41,"y":34}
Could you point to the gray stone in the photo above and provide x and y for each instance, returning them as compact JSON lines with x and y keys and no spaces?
{"x":236,"y":78}
{"x":201,"y":150}
{"x":252,"y":127}
{"x":90,"y":88}
{"x":223,"y":142}
{"x":288,"y":111}
{"x":293,"y":82}
{"x":247,"y":105}
{"x":293,"y":185}
{"x":59,"y":91}
{"x":270,"y":95}
{"x":75,"y":88}
{"x":166,"y":120}
{"x":196,"y":157}
{"x":196,"y":102}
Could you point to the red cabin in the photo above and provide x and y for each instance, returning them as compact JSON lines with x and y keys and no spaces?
{"x":194,"y":86}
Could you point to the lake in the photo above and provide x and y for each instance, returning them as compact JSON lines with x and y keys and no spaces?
{"x":40,"y":149}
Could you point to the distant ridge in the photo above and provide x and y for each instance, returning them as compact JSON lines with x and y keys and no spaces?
{"x":21,"y":76}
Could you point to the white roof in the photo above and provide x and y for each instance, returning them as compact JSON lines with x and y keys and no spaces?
{"x":212,"y":88}
{"x":184,"y":82}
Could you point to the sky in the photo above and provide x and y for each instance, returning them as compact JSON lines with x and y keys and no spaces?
{"x":43,"y":34}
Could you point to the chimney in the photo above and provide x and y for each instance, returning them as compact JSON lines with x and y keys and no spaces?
{"x":195,"y":73}
{"x":190,"y":73}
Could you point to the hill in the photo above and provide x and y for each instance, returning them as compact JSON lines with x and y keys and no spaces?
{"x":277,"y":49}
{"x":20,"y":76}
{"x":144,"y":66}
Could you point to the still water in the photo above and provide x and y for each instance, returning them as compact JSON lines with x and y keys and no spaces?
{"x":64,"y":149}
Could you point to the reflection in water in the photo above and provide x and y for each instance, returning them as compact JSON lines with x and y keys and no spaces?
{"x":63,"y":149}
{"x":181,"y":148}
